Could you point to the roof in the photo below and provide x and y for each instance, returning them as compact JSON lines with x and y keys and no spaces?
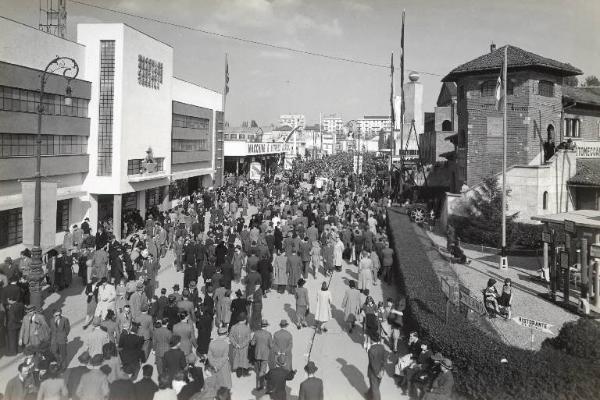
{"x":587,"y":172}
{"x":584,"y":218}
{"x":386,"y":117}
{"x":447,"y":93}
{"x":586,"y":95}
{"x":517,"y":59}
{"x":283,"y":128}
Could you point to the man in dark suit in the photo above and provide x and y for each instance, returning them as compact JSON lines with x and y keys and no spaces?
{"x":174,"y":360}
{"x":130,"y":345}
{"x":160,"y":342}
{"x":377,"y":356}
{"x":59,"y":336}
{"x":15,"y":311}
{"x":277,"y":377}
{"x":163,"y":303}
{"x":123,"y":388}
{"x":145,"y":387}
{"x":312,"y":387}
{"x":12,"y":291}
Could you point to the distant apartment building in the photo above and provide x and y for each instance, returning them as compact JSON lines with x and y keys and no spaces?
{"x":293,"y":120}
{"x":332,"y":123}
{"x":373,"y":124}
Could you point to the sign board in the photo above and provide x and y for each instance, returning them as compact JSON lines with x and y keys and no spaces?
{"x":255,"y":171}
{"x":595,"y":251}
{"x":587,"y":149}
{"x":473,"y":303}
{"x":547,"y":237}
{"x":564,"y":260}
{"x":533,"y":324}
{"x":287,"y":163}
{"x":568,"y":242}
{"x":570,"y":226}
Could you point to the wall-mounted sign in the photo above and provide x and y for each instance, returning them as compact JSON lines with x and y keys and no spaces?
{"x":150,"y":72}
{"x":265,"y":148}
{"x":587,"y":149}
{"x":595,"y":251}
{"x":547,"y":237}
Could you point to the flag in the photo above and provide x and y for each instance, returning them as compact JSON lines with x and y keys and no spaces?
{"x":499,"y":87}
{"x":226,"y":76}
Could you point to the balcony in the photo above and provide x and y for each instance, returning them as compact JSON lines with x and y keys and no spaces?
{"x":139,"y":170}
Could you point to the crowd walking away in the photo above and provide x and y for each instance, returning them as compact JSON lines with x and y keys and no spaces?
{"x":235,"y":248}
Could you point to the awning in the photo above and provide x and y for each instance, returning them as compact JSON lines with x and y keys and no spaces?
{"x":584,"y":218}
{"x":587,"y":173}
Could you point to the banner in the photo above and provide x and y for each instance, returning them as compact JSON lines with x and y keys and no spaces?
{"x":255,"y":171}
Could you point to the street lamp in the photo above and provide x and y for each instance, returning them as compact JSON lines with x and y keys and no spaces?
{"x":69,"y":69}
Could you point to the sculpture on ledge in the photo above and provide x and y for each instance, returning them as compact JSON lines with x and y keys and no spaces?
{"x":148,"y":164}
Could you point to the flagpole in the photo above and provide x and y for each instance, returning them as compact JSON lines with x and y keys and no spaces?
{"x":402,"y":105}
{"x":392,"y":139}
{"x":224,"y":102}
{"x":503,"y":258}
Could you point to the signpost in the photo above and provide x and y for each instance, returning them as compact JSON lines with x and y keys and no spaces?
{"x":533,"y":325}
{"x":570,"y":226}
{"x":547,"y":237}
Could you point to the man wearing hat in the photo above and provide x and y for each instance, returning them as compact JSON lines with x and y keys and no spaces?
{"x":240,"y":336}
{"x":34,"y":329}
{"x":131,"y":345}
{"x":283,"y":342}
{"x":145,"y":330}
{"x":176,"y":293}
{"x":218,"y":358}
{"x":312,"y":387}
{"x":277,"y":377}
{"x":302,"y":304}
{"x":93,"y":384}
{"x":138,"y":300}
{"x":443,"y":384}
{"x":262,"y":340}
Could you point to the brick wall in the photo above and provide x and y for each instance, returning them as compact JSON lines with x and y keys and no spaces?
{"x":589,"y":123}
{"x":528,"y":116}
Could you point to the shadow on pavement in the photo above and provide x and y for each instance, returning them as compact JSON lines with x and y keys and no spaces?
{"x":352,"y":274}
{"x":73,"y":347}
{"x":339,"y":316}
{"x":354,"y":376}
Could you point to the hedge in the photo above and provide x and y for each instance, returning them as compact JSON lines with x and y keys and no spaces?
{"x":479,"y":374}
{"x":518,"y":234}
{"x":579,"y":338}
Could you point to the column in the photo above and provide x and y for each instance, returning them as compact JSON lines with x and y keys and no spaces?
{"x":117,"y":208}
{"x":93,"y":212}
{"x":166,"y":204}
{"x":585,"y":270}
{"x":141,"y":202}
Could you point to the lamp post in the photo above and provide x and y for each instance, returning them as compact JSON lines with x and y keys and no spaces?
{"x":69,"y":69}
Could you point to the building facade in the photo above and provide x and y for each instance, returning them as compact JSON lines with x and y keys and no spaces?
{"x":65,"y":137}
{"x":292,"y":120}
{"x":332,"y":124}
{"x":540,"y":120}
{"x":133,"y":130}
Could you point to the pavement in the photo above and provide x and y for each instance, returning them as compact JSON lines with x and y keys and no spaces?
{"x":341,"y":359}
{"x":527,"y":301}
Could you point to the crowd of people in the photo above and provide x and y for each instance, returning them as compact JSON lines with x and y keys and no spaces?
{"x":234,"y":246}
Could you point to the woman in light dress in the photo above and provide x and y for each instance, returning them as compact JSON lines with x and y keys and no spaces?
{"x":323,"y":311}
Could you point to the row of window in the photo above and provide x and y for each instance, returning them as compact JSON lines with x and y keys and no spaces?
{"x":12,"y":223}
{"x":186,"y":121}
{"x":13,"y":145}
{"x":21,"y":100}
{"x":187,"y":145}
{"x":488,"y":89}
{"x":134,"y":166}
{"x":105,"y":107}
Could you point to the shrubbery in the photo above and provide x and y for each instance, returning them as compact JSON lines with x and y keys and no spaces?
{"x":579,"y":338}
{"x":518,"y":234}
{"x":546,"y":374}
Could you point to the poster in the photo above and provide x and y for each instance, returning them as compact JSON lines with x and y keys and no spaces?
{"x":255,"y":171}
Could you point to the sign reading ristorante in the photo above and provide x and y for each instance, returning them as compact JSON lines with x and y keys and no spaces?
{"x":265,"y":148}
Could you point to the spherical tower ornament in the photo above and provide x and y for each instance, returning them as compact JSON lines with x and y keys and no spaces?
{"x":414,"y":76}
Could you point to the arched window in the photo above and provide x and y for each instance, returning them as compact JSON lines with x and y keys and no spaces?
{"x":545,"y":201}
{"x":446,"y":126}
{"x":546,"y":88}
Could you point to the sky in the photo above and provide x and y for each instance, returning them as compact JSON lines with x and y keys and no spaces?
{"x":266,"y":82}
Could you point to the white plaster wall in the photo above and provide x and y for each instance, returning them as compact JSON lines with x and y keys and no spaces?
{"x":24,"y":45}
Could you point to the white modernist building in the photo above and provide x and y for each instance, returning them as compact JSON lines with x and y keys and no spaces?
{"x":332,"y":124}
{"x":132,"y":131}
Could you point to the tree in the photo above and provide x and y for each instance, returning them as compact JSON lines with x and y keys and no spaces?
{"x":591,"y":80}
{"x":571,"y":81}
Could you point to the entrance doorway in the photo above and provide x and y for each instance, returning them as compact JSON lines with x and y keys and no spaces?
{"x":105,"y":207}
